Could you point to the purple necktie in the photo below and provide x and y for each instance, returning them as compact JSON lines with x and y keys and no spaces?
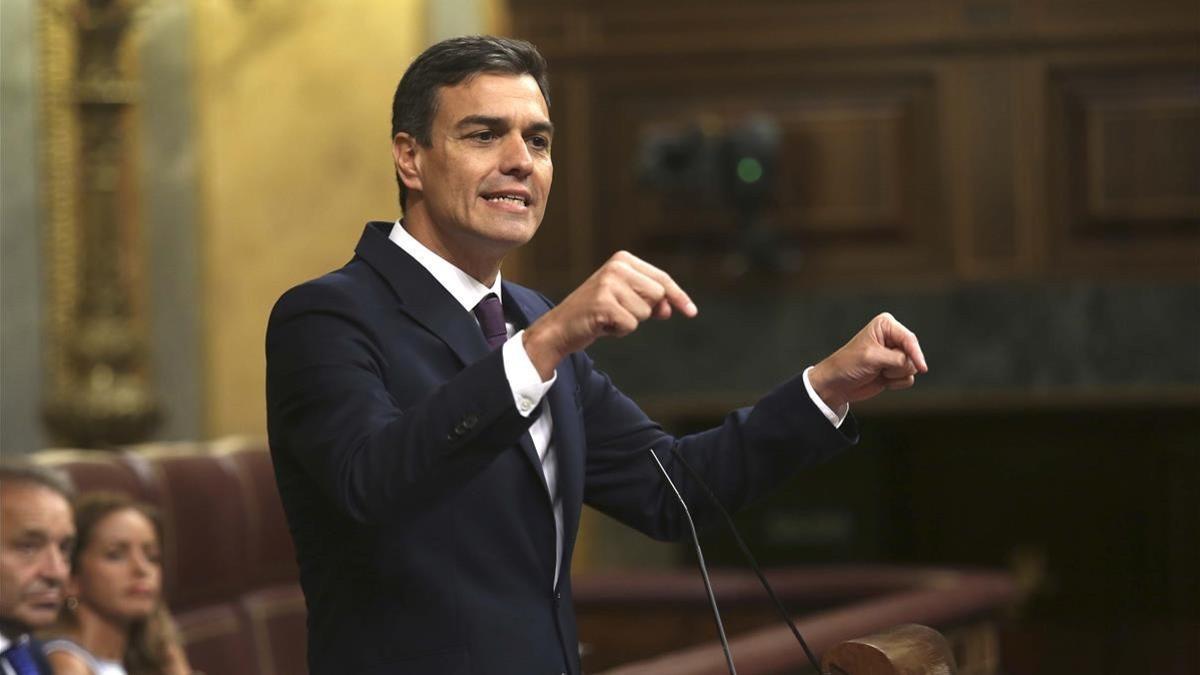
{"x":490,"y":313}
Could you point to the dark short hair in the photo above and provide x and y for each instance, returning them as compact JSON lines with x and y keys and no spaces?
{"x":22,"y":472}
{"x":448,"y":63}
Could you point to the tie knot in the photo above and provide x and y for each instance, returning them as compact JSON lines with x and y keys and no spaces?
{"x":490,"y":314}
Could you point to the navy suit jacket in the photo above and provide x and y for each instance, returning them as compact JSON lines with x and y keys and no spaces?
{"x":35,"y":651}
{"x":422,"y":523}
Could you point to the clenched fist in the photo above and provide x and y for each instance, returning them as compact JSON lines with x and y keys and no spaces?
{"x":624,"y":292}
{"x":884,"y":355}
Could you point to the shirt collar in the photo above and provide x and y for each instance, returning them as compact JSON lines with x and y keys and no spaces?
{"x":466,"y":289}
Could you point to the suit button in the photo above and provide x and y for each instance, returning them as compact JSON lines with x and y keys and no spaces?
{"x":469,"y":421}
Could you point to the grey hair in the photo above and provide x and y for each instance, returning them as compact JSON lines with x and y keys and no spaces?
{"x":33,"y":474}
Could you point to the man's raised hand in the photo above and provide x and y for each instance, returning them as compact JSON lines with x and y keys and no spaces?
{"x":624,"y":292}
{"x":883,"y":355}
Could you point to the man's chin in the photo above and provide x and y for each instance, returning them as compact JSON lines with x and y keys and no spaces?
{"x":38,"y":616}
{"x":511,"y":233}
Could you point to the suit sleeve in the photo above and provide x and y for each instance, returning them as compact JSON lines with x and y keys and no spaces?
{"x":329,"y":409}
{"x":753,"y":450}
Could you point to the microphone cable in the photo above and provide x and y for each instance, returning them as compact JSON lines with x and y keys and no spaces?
{"x":745,"y":552}
{"x":712,"y":599}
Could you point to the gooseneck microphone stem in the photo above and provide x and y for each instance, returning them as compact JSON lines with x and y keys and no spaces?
{"x":745,"y":552}
{"x":712,"y":599}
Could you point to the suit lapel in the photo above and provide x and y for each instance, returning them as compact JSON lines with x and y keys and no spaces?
{"x":521,"y":305}
{"x":569,"y":445}
{"x":521,"y":313}
{"x":567,"y":435}
{"x":432,"y":306}
{"x":421,"y":296}
{"x":429,"y":304}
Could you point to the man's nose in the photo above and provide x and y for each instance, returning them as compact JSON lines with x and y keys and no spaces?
{"x":516,"y":159}
{"x":56,"y":566}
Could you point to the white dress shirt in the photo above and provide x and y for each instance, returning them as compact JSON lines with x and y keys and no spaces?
{"x":528,"y":390}
{"x":5,"y":669}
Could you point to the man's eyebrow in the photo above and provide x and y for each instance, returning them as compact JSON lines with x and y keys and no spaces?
{"x":481,"y":121}
{"x":544,"y":126}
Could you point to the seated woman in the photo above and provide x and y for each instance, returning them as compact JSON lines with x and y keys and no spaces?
{"x":115,"y":621}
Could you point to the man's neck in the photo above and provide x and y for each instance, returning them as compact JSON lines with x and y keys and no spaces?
{"x":11,"y":632}
{"x":481,"y":267}
{"x":12,"y":629}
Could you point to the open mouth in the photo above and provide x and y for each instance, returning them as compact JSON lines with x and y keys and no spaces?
{"x":49,"y":601}
{"x":508,"y":198}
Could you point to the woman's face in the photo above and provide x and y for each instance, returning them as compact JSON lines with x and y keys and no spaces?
{"x":120,"y":570}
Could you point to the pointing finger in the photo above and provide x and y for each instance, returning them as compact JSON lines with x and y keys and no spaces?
{"x":672,"y":292}
{"x":897,"y":336}
{"x":632,"y":302}
{"x":644,"y":285}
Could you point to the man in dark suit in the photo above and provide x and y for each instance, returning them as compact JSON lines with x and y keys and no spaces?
{"x":435,"y":430}
{"x":37,"y":533}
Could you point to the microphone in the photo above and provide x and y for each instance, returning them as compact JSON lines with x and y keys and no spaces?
{"x":745,"y":552}
{"x":712,"y":599}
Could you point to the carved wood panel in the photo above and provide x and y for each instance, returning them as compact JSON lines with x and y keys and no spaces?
{"x":852,"y":187}
{"x":931,"y":142}
{"x":1125,"y":166}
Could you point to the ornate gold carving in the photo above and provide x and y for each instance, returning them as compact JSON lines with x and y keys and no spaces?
{"x":99,"y":387}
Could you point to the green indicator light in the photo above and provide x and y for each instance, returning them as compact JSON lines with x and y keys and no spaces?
{"x":749,"y":170}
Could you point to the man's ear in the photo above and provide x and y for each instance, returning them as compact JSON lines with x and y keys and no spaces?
{"x":406,"y":157}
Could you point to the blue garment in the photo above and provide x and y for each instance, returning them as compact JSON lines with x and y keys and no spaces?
{"x":24,"y":657}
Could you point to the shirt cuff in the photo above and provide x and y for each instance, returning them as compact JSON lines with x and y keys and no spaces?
{"x":523,"y":378}
{"x":835,"y":417}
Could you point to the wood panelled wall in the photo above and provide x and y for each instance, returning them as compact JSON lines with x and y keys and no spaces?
{"x":1020,"y":180}
{"x":948,"y":140}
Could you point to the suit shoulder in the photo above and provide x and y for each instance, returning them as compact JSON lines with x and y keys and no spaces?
{"x":337,"y":290}
{"x":339,"y":307}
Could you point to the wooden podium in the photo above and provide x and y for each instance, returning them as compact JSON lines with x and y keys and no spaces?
{"x":661,"y":624}
{"x":909,"y":649}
